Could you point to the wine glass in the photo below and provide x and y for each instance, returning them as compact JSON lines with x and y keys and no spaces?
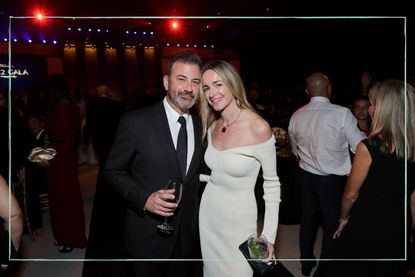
{"x":165,"y":229}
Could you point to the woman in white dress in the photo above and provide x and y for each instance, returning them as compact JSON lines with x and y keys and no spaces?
{"x":240,"y":142}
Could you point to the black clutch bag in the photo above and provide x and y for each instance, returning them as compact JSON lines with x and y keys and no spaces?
{"x":258,"y":266}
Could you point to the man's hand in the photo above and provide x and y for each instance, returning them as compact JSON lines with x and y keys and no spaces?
{"x":159,"y":202}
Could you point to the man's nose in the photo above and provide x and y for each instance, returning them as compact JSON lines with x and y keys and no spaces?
{"x":188,"y":86}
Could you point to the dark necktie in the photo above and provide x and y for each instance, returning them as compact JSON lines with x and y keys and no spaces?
{"x":182,"y":145}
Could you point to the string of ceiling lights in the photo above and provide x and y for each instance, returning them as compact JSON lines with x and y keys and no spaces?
{"x":95,"y":36}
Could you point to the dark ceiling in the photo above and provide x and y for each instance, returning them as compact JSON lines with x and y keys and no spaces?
{"x":211,"y":7}
{"x":267,"y":46}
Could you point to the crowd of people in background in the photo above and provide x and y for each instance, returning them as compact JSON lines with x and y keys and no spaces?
{"x":81,"y":125}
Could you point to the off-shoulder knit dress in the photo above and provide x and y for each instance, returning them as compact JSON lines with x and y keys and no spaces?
{"x":228,"y":209}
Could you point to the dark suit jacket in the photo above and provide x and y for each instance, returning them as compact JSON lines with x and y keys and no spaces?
{"x":102,"y":117}
{"x":35,"y":174}
{"x":141,"y":161}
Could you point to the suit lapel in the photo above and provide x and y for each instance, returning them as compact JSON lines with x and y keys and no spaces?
{"x":162,"y":129}
{"x":197,"y":128}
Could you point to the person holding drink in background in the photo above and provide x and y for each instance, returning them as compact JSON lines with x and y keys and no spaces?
{"x":146,"y":154}
{"x":240,"y":142}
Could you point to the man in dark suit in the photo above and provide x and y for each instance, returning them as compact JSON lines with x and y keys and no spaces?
{"x":101,"y":122}
{"x":35,"y":175}
{"x":105,"y":240}
{"x":143,"y":159}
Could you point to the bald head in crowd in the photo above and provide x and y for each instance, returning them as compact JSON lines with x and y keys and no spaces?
{"x":318,"y":84}
{"x":103,"y":90}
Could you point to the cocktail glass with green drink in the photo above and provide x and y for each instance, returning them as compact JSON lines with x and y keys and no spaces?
{"x":257,"y":246}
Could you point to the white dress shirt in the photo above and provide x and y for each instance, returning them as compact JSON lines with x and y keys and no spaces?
{"x":39,"y":134}
{"x":321,"y":134}
{"x":172,"y":117}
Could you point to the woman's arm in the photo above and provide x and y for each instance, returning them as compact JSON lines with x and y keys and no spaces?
{"x":266,"y":155}
{"x":16,"y":218}
{"x":361,"y":163}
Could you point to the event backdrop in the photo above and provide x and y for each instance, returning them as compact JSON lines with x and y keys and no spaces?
{"x":27,"y":71}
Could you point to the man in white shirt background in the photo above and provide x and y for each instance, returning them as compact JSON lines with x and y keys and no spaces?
{"x":321,"y":135}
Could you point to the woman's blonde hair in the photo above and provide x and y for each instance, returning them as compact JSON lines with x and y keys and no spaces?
{"x":388,"y":122}
{"x":232,"y":81}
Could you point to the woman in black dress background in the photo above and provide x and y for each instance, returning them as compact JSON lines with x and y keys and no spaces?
{"x":373,"y":215}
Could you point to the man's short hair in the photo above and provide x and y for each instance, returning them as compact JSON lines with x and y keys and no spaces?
{"x":184,"y":57}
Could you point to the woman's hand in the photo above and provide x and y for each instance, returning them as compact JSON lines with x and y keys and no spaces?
{"x":343,"y":223}
{"x":270,"y":253}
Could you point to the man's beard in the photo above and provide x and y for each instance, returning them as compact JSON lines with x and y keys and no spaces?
{"x":184,"y":105}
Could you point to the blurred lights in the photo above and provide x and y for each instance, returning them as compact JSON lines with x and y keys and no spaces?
{"x":175,"y":25}
{"x":39,"y":13}
{"x":91,"y":44}
{"x":130,"y":42}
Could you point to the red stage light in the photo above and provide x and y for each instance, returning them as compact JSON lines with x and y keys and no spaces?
{"x":175,"y":25}
{"x":39,"y":13}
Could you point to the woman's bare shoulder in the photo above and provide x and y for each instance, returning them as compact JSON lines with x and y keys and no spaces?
{"x":259,"y":128}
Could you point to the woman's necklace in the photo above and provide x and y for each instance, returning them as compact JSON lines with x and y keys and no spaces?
{"x":224,"y":127}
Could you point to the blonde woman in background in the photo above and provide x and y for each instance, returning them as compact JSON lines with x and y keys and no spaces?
{"x":372,"y":218}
